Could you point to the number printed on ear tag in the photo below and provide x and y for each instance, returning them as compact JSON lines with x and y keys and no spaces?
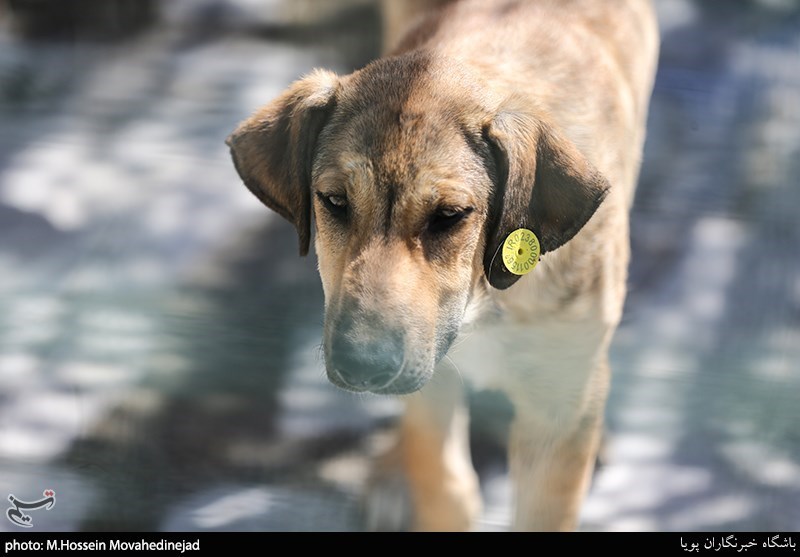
{"x":521,"y":251}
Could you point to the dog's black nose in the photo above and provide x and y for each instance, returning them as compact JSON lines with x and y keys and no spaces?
{"x":365,"y":366}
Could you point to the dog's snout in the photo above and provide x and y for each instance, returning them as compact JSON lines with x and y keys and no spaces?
{"x":366,"y":365}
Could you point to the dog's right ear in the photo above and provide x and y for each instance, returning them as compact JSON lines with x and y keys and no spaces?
{"x":273,"y":150}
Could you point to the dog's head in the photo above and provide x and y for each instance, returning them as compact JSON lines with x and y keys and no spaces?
{"x":413,"y":179}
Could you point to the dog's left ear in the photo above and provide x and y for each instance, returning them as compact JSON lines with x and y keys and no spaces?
{"x":273,"y":150}
{"x":543,"y":184}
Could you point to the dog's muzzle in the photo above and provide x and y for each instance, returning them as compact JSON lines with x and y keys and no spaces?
{"x":363,"y":354}
{"x":360,"y":364}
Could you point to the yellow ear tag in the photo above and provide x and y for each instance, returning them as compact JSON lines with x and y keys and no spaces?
{"x":521,"y":251}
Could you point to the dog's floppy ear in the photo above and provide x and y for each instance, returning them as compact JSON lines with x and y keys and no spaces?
{"x":273,"y":149}
{"x":544,"y":184}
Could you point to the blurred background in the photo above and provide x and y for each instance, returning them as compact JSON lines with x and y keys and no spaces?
{"x":160,"y":365}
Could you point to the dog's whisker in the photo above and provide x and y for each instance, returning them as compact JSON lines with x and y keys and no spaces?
{"x":461,"y":339}
{"x":458,"y":371}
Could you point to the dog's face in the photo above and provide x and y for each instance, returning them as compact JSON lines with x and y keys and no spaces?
{"x":413,"y":180}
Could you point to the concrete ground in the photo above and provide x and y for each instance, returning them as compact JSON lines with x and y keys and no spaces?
{"x":159,"y":338}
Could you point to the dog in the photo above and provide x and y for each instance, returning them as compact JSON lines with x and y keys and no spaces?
{"x":473,"y":184}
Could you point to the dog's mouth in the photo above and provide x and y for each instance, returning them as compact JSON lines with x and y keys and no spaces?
{"x":399,"y":383}
{"x":370,"y":373}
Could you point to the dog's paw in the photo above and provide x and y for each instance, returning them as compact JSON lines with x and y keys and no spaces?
{"x":420,"y":499}
{"x":387,"y":503}
{"x":454,"y":506}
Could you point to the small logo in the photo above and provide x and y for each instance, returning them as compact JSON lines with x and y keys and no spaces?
{"x":15,"y":514}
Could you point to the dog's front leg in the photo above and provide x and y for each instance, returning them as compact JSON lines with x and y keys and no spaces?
{"x":551,"y":465}
{"x":426,"y":481}
{"x":550,"y":481}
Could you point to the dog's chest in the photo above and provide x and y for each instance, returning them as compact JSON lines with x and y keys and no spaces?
{"x":547,"y":367}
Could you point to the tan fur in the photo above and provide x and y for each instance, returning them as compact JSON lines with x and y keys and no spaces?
{"x":489,"y":116}
{"x":435,"y":458}
{"x":398,"y":16}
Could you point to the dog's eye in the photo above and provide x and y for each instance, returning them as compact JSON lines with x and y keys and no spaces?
{"x":336,"y":204}
{"x":446,"y":218}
